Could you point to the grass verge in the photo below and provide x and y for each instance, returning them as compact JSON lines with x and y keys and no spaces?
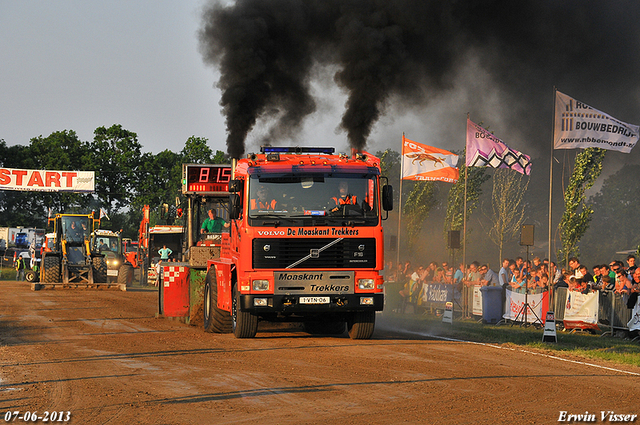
{"x":596,"y":348}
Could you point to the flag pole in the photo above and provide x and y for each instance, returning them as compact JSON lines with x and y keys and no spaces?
{"x":553,"y":135}
{"x":464,"y":221}
{"x":464,"y":212}
{"x":400,"y":202}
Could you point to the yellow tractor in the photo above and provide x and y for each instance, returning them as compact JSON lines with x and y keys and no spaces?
{"x":72,"y":259}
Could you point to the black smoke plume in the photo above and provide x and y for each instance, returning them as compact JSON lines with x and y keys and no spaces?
{"x":409,"y":51}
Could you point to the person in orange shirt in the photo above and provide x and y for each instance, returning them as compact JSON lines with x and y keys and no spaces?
{"x":343,"y":198}
{"x":263,"y":202}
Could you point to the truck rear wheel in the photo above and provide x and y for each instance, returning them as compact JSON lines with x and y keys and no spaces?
{"x":125,"y":274}
{"x":361,"y":324}
{"x":99,"y":265}
{"x":51,"y":269}
{"x":215,"y":319}
{"x":244,"y":323}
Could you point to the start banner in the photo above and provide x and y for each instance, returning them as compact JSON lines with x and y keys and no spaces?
{"x":47,"y":181}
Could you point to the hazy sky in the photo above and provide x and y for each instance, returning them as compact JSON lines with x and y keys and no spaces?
{"x":81,"y":64}
{"x":78,"y":65}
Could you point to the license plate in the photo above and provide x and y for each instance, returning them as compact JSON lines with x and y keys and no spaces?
{"x":112,"y":272}
{"x":314,"y":300}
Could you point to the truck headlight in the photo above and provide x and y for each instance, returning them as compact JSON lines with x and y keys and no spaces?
{"x":366,"y":284}
{"x":261,"y":285}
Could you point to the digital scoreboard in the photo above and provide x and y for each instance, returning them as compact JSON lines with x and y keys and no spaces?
{"x":205,"y":179}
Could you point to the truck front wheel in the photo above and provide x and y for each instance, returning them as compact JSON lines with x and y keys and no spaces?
{"x":244,"y":323}
{"x":361,"y":324}
{"x":215,"y":319}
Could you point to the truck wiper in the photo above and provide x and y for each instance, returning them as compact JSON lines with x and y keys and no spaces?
{"x":352,"y":223}
{"x":275,"y":223}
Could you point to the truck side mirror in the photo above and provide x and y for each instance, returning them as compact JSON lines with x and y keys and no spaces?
{"x":235,"y":186}
{"x":387,"y":197}
{"x":235,"y":205}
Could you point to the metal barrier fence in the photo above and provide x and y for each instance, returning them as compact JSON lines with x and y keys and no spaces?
{"x":612,"y":308}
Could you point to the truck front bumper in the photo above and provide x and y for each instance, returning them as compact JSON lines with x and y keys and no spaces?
{"x":295,"y":304}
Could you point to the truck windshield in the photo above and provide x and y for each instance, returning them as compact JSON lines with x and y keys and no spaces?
{"x":328,"y":198}
{"x":107,"y":243}
{"x":75,"y":229}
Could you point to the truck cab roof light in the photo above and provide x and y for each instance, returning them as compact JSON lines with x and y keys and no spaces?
{"x":296,"y":149}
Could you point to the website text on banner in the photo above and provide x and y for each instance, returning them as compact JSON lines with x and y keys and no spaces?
{"x":422,"y":162}
{"x":47,"y":181}
{"x":577,"y":125}
{"x":486,"y":150}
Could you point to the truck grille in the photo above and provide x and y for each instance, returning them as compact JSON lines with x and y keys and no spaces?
{"x":347,"y":253}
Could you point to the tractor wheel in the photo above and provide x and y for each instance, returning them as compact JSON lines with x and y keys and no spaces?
{"x":361,"y":324}
{"x":215,"y":319}
{"x":51,"y":269}
{"x":331,"y":327}
{"x":31,"y":276}
{"x":244,"y":323}
{"x":99,"y":265}
{"x":125,"y":274}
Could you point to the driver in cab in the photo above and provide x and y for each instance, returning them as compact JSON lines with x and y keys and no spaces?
{"x":343,"y":198}
{"x":263,"y":202}
{"x":75,"y":232}
{"x":213,"y":224}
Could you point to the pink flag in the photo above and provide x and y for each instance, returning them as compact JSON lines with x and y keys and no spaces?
{"x":486,"y":150}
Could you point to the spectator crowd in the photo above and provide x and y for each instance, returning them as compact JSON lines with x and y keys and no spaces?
{"x":521,"y":276}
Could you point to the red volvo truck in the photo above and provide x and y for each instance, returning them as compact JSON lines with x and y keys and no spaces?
{"x":305,"y":243}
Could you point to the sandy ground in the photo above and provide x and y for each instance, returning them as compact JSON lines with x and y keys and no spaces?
{"x":106,"y":359}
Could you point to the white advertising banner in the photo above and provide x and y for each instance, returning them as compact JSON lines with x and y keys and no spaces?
{"x":476,"y":308}
{"x":580,"y":126}
{"x":634,"y":323}
{"x":47,"y":181}
{"x":581,"y":310}
{"x":538,"y":304}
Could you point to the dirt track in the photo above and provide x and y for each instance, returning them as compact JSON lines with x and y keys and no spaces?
{"x":103,"y":356}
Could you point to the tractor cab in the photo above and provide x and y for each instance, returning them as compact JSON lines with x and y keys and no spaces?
{"x":71,"y":258}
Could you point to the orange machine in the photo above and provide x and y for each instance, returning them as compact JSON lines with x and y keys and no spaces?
{"x":294,"y":251}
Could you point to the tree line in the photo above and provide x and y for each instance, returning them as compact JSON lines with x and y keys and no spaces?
{"x":126,"y":177}
{"x":592,"y":227}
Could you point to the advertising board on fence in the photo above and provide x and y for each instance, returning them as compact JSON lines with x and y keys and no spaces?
{"x":581,"y":310}
{"x":538,"y":304}
{"x":634,"y":323}
{"x":476,"y":308}
{"x":436,"y":293}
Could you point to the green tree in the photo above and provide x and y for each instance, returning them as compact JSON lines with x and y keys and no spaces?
{"x":159,"y":180}
{"x":577,"y":213}
{"x":416,"y":209}
{"x":115,"y":154}
{"x":507,"y":206}
{"x":196,"y":151}
{"x":454,"y":219}
{"x":614,"y":225}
